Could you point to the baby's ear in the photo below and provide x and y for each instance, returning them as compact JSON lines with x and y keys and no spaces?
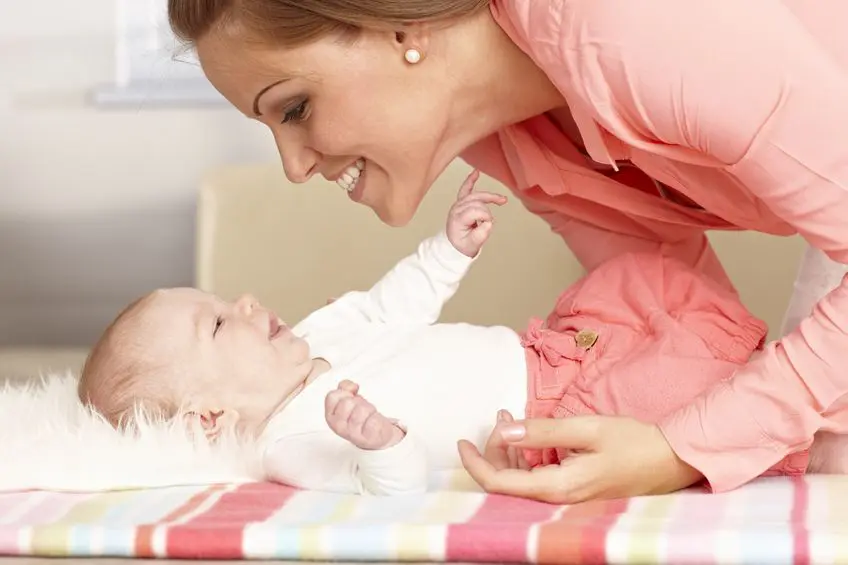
{"x":212,"y":422}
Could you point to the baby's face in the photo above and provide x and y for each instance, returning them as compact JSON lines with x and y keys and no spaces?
{"x":219,"y":356}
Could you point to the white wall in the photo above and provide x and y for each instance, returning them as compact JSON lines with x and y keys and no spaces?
{"x":96,"y":206}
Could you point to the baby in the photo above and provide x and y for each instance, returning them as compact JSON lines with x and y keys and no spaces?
{"x":640,"y":336}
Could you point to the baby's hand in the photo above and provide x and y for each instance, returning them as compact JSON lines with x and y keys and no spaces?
{"x":469,"y":219}
{"x":353,"y":418}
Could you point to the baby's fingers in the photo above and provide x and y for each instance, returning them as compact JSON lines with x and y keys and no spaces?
{"x":475,"y":215}
{"x":375,"y":425}
{"x":485,"y":198}
{"x":468,"y":185}
{"x":360,"y":413}
{"x":332,"y":399}
{"x":349,"y":386}
{"x":338,"y":404}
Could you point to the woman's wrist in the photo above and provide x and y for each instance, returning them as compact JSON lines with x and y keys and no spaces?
{"x":680,"y":474}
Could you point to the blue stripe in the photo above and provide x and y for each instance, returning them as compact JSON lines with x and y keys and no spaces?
{"x":393,"y":509}
{"x":361,"y":542}
{"x":287,"y":543}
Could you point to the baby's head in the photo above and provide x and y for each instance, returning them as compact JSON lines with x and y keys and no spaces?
{"x":188,"y":354}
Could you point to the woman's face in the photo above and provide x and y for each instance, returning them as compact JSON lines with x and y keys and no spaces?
{"x":336,"y":104}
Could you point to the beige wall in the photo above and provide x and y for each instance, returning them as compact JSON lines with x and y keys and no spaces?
{"x":763,"y":267}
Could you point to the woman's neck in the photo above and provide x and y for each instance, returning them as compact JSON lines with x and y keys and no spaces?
{"x":495,"y":83}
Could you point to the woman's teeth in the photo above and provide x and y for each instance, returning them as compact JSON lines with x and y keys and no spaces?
{"x":350,"y":176}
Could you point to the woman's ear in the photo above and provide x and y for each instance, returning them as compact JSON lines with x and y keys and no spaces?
{"x":413,"y":38}
{"x":213,"y":422}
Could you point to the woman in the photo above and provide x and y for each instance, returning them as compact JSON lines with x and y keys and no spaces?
{"x":626,"y":126}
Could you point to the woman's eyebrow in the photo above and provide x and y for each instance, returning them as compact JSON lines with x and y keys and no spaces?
{"x":259,"y":94}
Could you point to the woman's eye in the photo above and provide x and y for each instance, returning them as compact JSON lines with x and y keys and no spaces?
{"x":219,"y":321}
{"x":296,"y":114}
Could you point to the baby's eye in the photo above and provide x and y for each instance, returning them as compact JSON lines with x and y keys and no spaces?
{"x":219,"y":321}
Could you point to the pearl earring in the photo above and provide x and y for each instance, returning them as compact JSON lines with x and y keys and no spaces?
{"x":412,"y":56}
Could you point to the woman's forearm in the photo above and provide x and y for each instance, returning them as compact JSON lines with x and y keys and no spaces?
{"x":772,"y":407}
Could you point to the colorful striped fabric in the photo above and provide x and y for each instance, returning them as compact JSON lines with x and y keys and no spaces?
{"x":775,"y":520}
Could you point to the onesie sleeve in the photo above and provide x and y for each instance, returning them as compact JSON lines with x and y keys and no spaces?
{"x":746,"y":84}
{"x":325,"y":462}
{"x":414,"y":291}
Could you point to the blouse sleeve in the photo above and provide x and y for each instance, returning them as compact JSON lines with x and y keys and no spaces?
{"x":746,"y":84}
{"x":592,"y":245}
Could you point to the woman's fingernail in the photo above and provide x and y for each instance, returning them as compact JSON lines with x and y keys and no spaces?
{"x":501,"y":416}
{"x":512,"y":432}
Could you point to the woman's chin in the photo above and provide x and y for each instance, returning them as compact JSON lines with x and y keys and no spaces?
{"x":392,"y":217}
{"x":398,"y":212}
{"x":395,"y":204}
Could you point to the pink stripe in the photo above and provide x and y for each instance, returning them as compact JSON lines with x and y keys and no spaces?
{"x":498,"y":531}
{"x":51,"y":508}
{"x":10,"y":501}
{"x":579,"y":535}
{"x":48,"y":510}
{"x":218,"y":532}
{"x":798,"y":519}
{"x":594,"y":543}
{"x":9,"y":542}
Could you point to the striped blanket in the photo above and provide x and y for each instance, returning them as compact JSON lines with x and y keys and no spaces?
{"x":775,"y":520}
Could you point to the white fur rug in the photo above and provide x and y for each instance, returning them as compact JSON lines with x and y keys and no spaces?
{"x":50,"y":441}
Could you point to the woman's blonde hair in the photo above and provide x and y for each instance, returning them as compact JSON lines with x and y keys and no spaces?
{"x":296,"y":22}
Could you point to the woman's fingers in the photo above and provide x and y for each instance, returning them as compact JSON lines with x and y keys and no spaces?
{"x":580,"y":433}
{"x":553,"y":483}
{"x":610,"y":457}
{"x":495,"y":451}
{"x":569,"y":483}
{"x":484,"y":472}
{"x":513,"y":454}
{"x":517,"y":459}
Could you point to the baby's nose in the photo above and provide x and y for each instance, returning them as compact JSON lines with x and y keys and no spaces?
{"x":247,"y":303}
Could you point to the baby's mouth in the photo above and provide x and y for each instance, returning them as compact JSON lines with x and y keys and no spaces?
{"x":276,"y":327}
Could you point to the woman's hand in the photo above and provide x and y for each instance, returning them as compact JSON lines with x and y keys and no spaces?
{"x":613,"y":457}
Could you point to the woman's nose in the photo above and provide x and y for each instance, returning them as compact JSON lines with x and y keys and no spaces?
{"x":299,"y":161}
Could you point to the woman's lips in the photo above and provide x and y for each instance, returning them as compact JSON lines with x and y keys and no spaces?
{"x":359,"y":188}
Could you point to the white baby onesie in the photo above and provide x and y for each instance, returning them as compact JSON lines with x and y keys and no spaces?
{"x":443,"y":382}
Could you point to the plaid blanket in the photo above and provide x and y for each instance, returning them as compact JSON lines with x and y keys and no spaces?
{"x":775,"y":520}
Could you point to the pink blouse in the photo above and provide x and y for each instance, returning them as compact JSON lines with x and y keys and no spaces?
{"x":735,"y":116}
